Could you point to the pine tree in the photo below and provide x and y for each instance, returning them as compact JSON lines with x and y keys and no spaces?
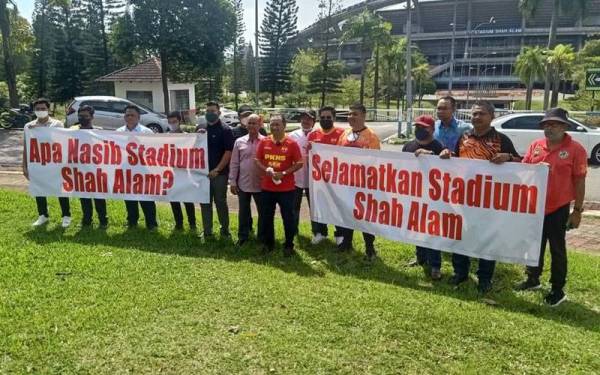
{"x":123,"y":42}
{"x":249,"y":68}
{"x":238,"y":52}
{"x":277,"y":30}
{"x":45,"y":29}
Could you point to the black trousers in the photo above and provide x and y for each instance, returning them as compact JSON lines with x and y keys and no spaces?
{"x":554,"y":231}
{"x":316,"y":228}
{"x":285,"y":200}
{"x":133,"y":213}
{"x":42,"y":206}
{"x":87,"y":208}
{"x":190,"y":210}
{"x":348,"y":235}
{"x":245,"y":214}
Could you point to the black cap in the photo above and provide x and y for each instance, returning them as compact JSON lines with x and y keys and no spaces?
{"x":556,"y":114}
{"x":245,"y":110}
{"x":310,"y":113}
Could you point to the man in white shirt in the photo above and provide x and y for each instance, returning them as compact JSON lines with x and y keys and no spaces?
{"x":307,"y":123}
{"x":132,"y":124}
{"x":42,"y":108}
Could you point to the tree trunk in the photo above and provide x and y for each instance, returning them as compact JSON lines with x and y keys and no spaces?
{"x":9,"y":66}
{"x":164,"y":64}
{"x":551,"y":42}
{"x":555,"y":90}
{"x":235,"y":74}
{"x":528,"y":96}
{"x":376,"y":83}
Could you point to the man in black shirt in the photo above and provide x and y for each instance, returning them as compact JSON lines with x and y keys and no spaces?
{"x":220,"y":145}
{"x":424,"y":144}
{"x":244,"y":113}
{"x":484,"y":143}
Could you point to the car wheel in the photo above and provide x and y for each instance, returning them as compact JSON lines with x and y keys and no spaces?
{"x":596,"y":155}
{"x":155,"y":128}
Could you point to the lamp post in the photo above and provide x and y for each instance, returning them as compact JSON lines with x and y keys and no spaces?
{"x":409,"y":102}
{"x":453,"y":24}
{"x":256,"y":57}
{"x":471,"y":32}
{"x":479,"y":83}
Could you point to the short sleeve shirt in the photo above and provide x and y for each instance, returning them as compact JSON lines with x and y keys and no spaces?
{"x":139,"y":128}
{"x":280,"y":156}
{"x":568,"y":163}
{"x":366,"y":138}
{"x":331,"y":137}
{"x":448,"y":136}
{"x":220,"y":140}
{"x":485,"y":147}
{"x":51,"y":123}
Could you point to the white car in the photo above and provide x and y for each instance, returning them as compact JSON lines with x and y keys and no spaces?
{"x":524,"y":128}
{"x":109,"y":111}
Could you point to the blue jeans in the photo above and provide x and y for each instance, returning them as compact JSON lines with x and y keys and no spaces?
{"x":462,"y":263}
{"x":431,"y":257}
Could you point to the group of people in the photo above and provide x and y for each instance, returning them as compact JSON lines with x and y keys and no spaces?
{"x":272,"y":171}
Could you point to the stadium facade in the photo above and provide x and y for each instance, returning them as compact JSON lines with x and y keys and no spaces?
{"x":484,"y":51}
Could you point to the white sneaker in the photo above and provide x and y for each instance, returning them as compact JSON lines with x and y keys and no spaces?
{"x":40,"y":221}
{"x":317,"y":238}
{"x":339,"y":240}
{"x":66,"y":221}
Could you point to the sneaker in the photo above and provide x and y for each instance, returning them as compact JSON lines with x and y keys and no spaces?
{"x":456,"y":280}
{"x":555,"y":298}
{"x":436,"y":274}
{"x":66,"y":221}
{"x":484,"y":286}
{"x":339,"y":240}
{"x":317,"y":239}
{"x":40,"y":221}
{"x":529,"y":284}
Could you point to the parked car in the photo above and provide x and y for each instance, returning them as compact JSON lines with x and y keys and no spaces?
{"x":524,"y":128}
{"x":109,"y":111}
{"x":228,"y":117}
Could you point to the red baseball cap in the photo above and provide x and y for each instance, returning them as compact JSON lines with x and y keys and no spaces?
{"x":425,"y":121}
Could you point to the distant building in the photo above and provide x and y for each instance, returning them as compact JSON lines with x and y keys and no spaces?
{"x":142,"y":84}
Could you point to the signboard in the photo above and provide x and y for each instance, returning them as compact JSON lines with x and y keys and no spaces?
{"x":592,"y":79}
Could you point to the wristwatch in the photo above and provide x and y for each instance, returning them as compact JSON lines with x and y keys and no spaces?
{"x":578,"y":209}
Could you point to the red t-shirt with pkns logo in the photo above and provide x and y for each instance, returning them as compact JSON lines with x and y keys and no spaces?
{"x":280,"y":156}
{"x":568,"y":163}
{"x":329,"y":138}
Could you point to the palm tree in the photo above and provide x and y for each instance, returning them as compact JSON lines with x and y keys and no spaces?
{"x":530,"y":66}
{"x":370,"y":30}
{"x":561,"y":59}
{"x":529,"y":8}
{"x":9,"y":65}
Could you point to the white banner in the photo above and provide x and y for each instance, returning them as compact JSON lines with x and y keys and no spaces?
{"x":469,"y":207}
{"x":117,"y":165}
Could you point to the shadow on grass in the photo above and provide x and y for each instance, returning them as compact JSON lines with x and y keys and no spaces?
{"x":176,"y":243}
{"x":502,"y":297}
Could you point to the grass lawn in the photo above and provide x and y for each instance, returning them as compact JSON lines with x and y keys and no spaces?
{"x":115,"y":302}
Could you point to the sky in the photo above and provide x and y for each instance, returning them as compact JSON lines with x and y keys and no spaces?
{"x":307,"y":13}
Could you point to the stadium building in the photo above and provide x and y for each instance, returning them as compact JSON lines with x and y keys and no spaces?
{"x":487,"y":37}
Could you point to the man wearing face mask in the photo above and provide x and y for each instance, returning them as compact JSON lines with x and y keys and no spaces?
{"x":43,"y":119}
{"x":567,"y":160}
{"x":85,"y":116}
{"x":220,"y":145}
{"x":175,"y":120}
{"x":307,"y":122}
{"x":425,"y":144}
{"x":241,"y":130}
{"x":361,"y":136}
{"x":484,"y":143}
{"x":330,"y":135}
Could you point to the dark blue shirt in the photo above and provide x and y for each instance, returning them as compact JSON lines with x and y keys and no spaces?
{"x":220,"y":140}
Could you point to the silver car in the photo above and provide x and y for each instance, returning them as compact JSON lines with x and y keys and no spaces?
{"x":109,"y":111}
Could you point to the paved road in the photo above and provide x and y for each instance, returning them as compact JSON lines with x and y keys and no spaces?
{"x":11,"y":151}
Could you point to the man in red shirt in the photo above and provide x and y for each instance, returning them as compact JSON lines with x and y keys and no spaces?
{"x":567,"y":160}
{"x":330,"y":135}
{"x":278,"y":156}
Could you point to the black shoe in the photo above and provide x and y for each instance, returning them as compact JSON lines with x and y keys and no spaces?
{"x":484,"y":286}
{"x":152,"y":228}
{"x":288,"y":252}
{"x":132,"y":226}
{"x":86,"y":224}
{"x":207,"y":236}
{"x":241,"y":242}
{"x":456,"y":280}
{"x":178,"y":227}
{"x":343,"y":247}
{"x":266,"y":249}
{"x":103,"y":225}
{"x":529,"y":284}
{"x":225,"y":235}
{"x":555,"y":297}
{"x":370,"y":254}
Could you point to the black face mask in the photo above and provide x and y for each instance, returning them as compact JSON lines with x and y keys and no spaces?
{"x":84,"y":121}
{"x":326,"y":123}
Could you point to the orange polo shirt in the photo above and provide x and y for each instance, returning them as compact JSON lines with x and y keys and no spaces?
{"x":366,"y":138}
{"x":279,"y":156}
{"x":568,"y":163}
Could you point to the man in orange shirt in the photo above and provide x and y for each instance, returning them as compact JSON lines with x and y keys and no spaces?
{"x":330,"y":135}
{"x":278,"y":157}
{"x":359,"y":135}
{"x":566,"y":182}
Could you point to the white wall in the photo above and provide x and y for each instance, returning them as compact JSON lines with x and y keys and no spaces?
{"x":122,"y":87}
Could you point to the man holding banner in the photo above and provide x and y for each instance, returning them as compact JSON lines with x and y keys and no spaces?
{"x":484,"y":143}
{"x":132,"y":124}
{"x":566,"y":183}
{"x":41,"y":108}
{"x":359,"y":136}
